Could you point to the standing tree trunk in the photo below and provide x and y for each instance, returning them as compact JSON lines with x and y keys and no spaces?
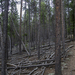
{"x":74,"y":19}
{"x":25,"y":24}
{"x":20,"y":27}
{"x":65,"y":19}
{"x":49,"y":20}
{"x":57,"y":39}
{"x":29,"y":27}
{"x":4,"y":48}
{"x":39,"y":30}
{"x":1,"y":38}
{"x":63,"y":26}
{"x":35,"y":16}
{"x":69,"y":25}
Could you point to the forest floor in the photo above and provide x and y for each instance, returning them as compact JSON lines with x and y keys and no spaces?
{"x":69,"y":68}
{"x":68,"y":65}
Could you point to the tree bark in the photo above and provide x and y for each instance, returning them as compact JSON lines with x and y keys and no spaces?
{"x":63,"y":26}
{"x":39,"y":30}
{"x":4,"y":48}
{"x":57,"y":39}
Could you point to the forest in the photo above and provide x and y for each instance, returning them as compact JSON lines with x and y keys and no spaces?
{"x":37,"y":37}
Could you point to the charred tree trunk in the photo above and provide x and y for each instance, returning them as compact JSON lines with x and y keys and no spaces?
{"x":57,"y":39}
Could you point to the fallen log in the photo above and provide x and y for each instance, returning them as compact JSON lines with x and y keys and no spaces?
{"x":23,"y":67}
{"x":37,"y":62}
{"x":9,"y":64}
{"x":19,"y":37}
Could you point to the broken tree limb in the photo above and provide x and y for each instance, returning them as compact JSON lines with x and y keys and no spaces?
{"x":37,"y":62}
{"x":19,"y":37}
{"x":69,"y":48}
{"x":38,"y":73}
{"x":9,"y":64}
{"x":25,"y":72}
{"x":14,"y":72}
{"x":52,"y":55}
{"x":43,"y":71}
{"x":33,"y":71}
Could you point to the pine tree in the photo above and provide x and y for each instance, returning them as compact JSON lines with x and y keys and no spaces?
{"x":57,"y":37}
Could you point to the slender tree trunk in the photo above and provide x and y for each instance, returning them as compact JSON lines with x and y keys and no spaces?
{"x":24,"y":28}
{"x":69,"y":20}
{"x":35,"y":26}
{"x":49,"y":20}
{"x":11,"y":33}
{"x":63,"y":26}
{"x":20,"y":27}
{"x":11,"y":40}
{"x":74,"y":19}
{"x":29,"y":27}
{"x":39,"y":30}
{"x":65,"y":19}
{"x":1,"y":37}
{"x":25,"y":25}
{"x":4,"y":48}
{"x":57,"y":39}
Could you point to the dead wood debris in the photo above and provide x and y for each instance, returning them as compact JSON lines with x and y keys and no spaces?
{"x":39,"y":63}
{"x":33,"y":71}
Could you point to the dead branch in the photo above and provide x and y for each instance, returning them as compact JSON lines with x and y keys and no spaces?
{"x":33,"y":71}
{"x":69,"y":48}
{"x":25,"y":72}
{"x":23,"y":67}
{"x":14,"y":72}
{"x":43,"y":71}
{"x":9,"y":64}
{"x":37,"y":62}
